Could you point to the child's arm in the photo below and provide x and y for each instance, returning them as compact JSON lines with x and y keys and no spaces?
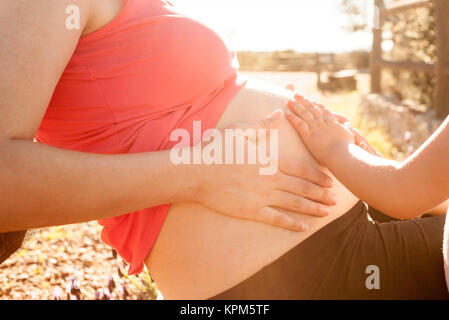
{"x":402,"y":190}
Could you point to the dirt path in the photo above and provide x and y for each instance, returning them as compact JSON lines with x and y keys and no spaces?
{"x":69,"y":260}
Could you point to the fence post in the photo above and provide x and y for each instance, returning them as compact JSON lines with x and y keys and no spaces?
{"x":318,"y":69}
{"x":442,"y":78}
{"x":376,"y":54}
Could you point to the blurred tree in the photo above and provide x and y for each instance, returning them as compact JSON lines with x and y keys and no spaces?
{"x":411,"y":37}
{"x":356,"y":12}
{"x":414,"y":39}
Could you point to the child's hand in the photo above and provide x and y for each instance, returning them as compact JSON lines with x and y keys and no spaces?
{"x":360,"y":140}
{"x":318,"y":128}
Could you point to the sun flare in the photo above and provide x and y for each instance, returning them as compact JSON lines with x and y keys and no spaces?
{"x":269,"y":25}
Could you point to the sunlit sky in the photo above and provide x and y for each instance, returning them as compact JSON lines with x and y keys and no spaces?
{"x":267,"y":25}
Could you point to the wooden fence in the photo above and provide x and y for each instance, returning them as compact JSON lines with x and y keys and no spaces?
{"x":440,"y":69}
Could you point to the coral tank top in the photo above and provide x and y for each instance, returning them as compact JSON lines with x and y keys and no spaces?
{"x":127,"y":86}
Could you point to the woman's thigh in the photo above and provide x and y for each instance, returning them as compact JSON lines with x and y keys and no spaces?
{"x":200,"y":253}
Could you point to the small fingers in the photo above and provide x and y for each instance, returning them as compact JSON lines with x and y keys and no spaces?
{"x":342,"y":118}
{"x":360,"y":140}
{"x":280,"y":219}
{"x":290,"y":87}
{"x":309,"y":105}
{"x":369,"y":148}
{"x":298,"y":204}
{"x":298,"y":169}
{"x":300,"y":111}
{"x":328,"y":116}
{"x":300,"y":125}
{"x":364,"y":145}
{"x":357,"y":132}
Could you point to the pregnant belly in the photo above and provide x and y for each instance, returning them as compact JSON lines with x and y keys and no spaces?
{"x":200,"y":253}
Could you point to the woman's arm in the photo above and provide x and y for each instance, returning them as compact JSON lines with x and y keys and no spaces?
{"x":401,"y":190}
{"x":42,"y":185}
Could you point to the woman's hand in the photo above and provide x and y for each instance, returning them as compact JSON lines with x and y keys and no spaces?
{"x":241,"y":191}
{"x":318,"y":128}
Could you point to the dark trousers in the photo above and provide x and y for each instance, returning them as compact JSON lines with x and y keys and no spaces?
{"x":354,"y":258}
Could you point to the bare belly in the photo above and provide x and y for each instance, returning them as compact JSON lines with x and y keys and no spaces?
{"x":200,"y":253}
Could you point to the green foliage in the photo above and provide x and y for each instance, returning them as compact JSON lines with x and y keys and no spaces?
{"x":144,"y":284}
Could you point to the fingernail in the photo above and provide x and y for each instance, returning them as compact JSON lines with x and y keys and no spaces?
{"x":303,"y":226}
{"x":325,"y":211}
{"x":275,"y":115}
{"x":298,"y":96}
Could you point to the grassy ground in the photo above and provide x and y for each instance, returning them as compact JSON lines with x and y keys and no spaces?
{"x":71,"y":261}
